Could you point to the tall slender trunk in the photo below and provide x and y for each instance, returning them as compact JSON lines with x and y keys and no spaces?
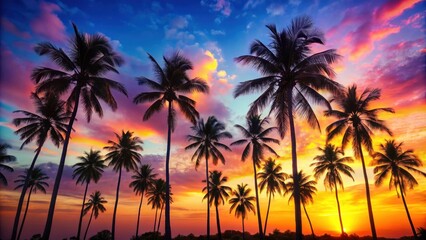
{"x":25,"y":213}
{"x":167,"y":225}
{"x":115,"y":205}
{"x":139,"y":214}
{"x":208,"y":197}
{"x":338,"y":207}
{"x":297,"y":210}
{"x":267,"y":213}
{"x":49,"y":221}
{"x":88,"y":225}
{"x":367,"y":191}
{"x":155,"y":219}
{"x":309,"y":220}
{"x":243,"y":227}
{"x":406,"y":208}
{"x":23,"y":192}
{"x":81,"y":212}
{"x":219,"y":232}
{"x":159,"y":218}
{"x":259,"y":219}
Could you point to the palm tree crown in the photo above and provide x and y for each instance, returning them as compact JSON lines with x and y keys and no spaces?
{"x":271,"y":177}
{"x":307,"y":188}
{"x":37,"y":180}
{"x":4,"y":158}
{"x":218,"y":191}
{"x":124,"y":152}
{"x":90,"y":168}
{"x":143,"y":179}
{"x":241,"y":201}
{"x":95,"y":203}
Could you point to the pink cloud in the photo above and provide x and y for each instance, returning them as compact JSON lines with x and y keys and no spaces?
{"x":382,"y":33}
{"x":224,"y":7}
{"x":48,"y":24}
{"x":10,"y":27}
{"x":414,"y":20}
{"x":392,"y":9}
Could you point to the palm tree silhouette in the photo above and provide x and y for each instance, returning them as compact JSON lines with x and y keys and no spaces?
{"x":332,"y":163}
{"x":122,"y":154}
{"x":171,"y":86}
{"x":36,"y":181}
{"x":218,"y":192}
{"x":356,"y":121}
{"x":273,"y":179}
{"x":82,"y":73}
{"x":96,"y":204}
{"x":393,"y":161}
{"x":292,"y":80}
{"x":157,"y":198}
{"x":90,"y":168}
{"x":206,"y":140}
{"x":242,"y":202}
{"x":307,"y":189}
{"x":49,"y":121}
{"x":4,"y":158}
{"x":143,"y":180}
{"x":256,"y":137}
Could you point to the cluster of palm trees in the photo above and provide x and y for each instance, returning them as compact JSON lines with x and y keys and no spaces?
{"x":292,"y":80}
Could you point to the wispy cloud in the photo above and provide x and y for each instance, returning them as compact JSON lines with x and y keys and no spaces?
{"x":48,"y":24}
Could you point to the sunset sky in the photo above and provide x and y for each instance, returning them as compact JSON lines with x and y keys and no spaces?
{"x":382,"y":44}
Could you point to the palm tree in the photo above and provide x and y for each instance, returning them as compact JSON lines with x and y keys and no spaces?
{"x":122,"y":154}
{"x":218,"y":192}
{"x":143,"y":180}
{"x":256,"y":137}
{"x":393,"y":161}
{"x":292,"y":80}
{"x":273,"y":179}
{"x":157,"y":198}
{"x":37,"y":181}
{"x":163,"y":199}
{"x":356,"y":121}
{"x":90,"y":168}
{"x":242,"y":202}
{"x":206,"y":140}
{"x":333,"y":164}
{"x":49,"y":121}
{"x":82,"y":72}
{"x":307,"y":189}
{"x":171,"y":86}
{"x":96,"y":204}
{"x":4,"y":158}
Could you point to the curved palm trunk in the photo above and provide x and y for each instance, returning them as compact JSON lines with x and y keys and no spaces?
{"x":267,"y":212}
{"x":243,"y":228}
{"x":309,"y":220}
{"x":139,"y":214}
{"x":25,"y":213}
{"x":155,"y":219}
{"x":88,"y":225}
{"x":406,"y":209}
{"x":115,"y":205}
{"x":259,"y":219}
{"x":338,"y":207}
{"x":367,"y":191}
{"x":23,"y":192}
{"x":208,"y":197}
{"x":219,"y":232}
{"x":159,"y":219}
{"x":55,"y":191}
{"x":81,"y":212}
{"x":168,"y":230}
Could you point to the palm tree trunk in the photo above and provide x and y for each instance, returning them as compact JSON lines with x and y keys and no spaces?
{"x":309,"y":220}
{"x":367,"y":190}
{"x":267,"y":212}
{"x":88,"y":225}
{"x":159,"y":218}
{"x":155,"y":219}
{"x":219,"y":232}
{"x":81,"y":212}
{"x":406,"y":208}
{"x":259,"y":219}
{"x":49,"y":221}
{"x":243,"y":226}
{"x":23,"y":192}
{"x":297,"y":210}
{"x":115,"y":205}
{"x":167,"y":225}
{"x":139,"y":214}
{"x":338,"y":208}
{"x":208,"y":197}
{"x":25,"y":213}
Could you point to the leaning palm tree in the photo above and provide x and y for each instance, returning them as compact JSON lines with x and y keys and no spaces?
{"x":90,"y":168}
{"x":96,"y":204}
{"x":307,"y":189}
{"x":81,"y":73}
{"x":333,"y":164}
{"x":292,"y":80}
{"x":218,"y":193}
{"x":122,"y":154}
{"x":257,"y":139}
{"x":242,"y":202}
{"x":393,"y":161}
{"x":4,"y":158}
{"x":273,"y":179}
{"x":206,"y":141}
{"x":49,"y":121}
{"x":37,"y":181}
{"x":356,"y":121}
{"x":171,"y":86}
{"x":143,"y":180}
